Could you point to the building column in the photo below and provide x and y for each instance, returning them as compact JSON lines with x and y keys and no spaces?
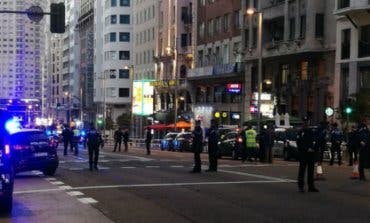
{"x":353,"y":84}
{"x":246,"y":115}
{"x":286,"y":21}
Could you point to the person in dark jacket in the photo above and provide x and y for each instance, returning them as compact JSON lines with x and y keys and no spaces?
{"x":117,"y":139}
{"x":262,"y":139}
{"x":321,"y":141}
{"x":336,"y":140}
{"x":197,"y":147}
{"x":306,"y":150}
{"x":66,"y":134}
{"x":270,"y":143}
{"x":352,"y":146}
{"x":125,"y":137}
{"x":213,"y":137}
{"x":93,"y":141}
{"x":148,"y":140}
{"x":364,"y":149}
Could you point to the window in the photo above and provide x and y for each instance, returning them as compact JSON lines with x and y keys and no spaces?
{"x":124,"y":19}
{"x":184,"y":40}
{"x":292,"y":28}
{"x":113,"y":19}
{"x":124,"y":37}
{"x":210,"y":27}
{"x":113,"y":3}
{"x":112,"y":37}
{"x":284,"y":73}
{"x":343,"y":4}
{"x":364,"y":42}
{"x":319,"y":25}
{"x":302,"y":32}
{"x":236,"y":19}
{"x":124,"y":73}
{"x":124,"y":2}
{"x":124,"y":55}
{"x":304,"y":70}
{"x":201,"y":30}
{"x":124,"y":92}
{"x":226,"y":22}
{"x":346,"y":44}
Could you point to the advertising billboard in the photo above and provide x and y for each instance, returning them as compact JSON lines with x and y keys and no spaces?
{"x":142,"y":98}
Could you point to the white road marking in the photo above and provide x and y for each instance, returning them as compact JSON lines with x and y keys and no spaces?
{"x":50,"y":179}
{"x":225,"y":165}
{"x":257,"y":176}
{"x":103,"y":168}
{"x":128,"y":167}
{"x":57,"y":183}
{"x":65,"y":187}
{"x":152,"y":166}
{"x":88,"y":200}
{"x":75,"y":193}
{"x":125,"y":156}
{"x":62,"y":161}
{"x":36,"y":172}
{"x":179,"y":166}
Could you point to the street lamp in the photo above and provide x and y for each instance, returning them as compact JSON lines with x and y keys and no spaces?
{"x":66,"y":94}
{"x":252,"y":11}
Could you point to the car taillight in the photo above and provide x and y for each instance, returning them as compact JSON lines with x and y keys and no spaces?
{"x":20,"y":147}
{"x":7,"y":149}
{"x":240,"y":140}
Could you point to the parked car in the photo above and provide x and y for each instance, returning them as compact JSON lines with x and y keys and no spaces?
{"x":31,"y":149}
{"x":6,"y":169}
{"x":183,"y":142}
{"x":285,"y":145}
{"x":231,"y":145}
{"x":167,"y":142}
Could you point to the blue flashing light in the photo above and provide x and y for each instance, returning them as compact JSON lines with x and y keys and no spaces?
{"x":48,"y":133}
{"x":83,"y":133}
{"x":12,"y":125}
{"x":7,"y":149}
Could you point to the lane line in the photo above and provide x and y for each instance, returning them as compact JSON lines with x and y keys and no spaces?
{"x":257,"y":176}
{"x":130,"y":156}
{"x":155,"y":185}
{"x":75,"y":193}
{"x":57,"y":183}
{"x":152,"y":166}
{"x":128,"y":167}
{"x":65,"y":187}
{"x":87,"y":200}
{"x":178,"y":166}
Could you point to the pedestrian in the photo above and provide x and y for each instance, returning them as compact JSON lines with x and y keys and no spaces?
{"x":117,"y":139}
{"x":213,"y":138}
{"x":251,"y":143}
{"x":66,"y":139}
{"x":148,"y":140}
{"x":197,"y":147}
{"x":94,"y":140}
{"x":336,"y":141}
{"x":262,"y":139}
{"x":125,"y":138}
{"x":364,"y":149}
{"x":270,"y":142}
{"x":352,"y":146}
{"x":306,"y":150}
{"x":75,"y":139}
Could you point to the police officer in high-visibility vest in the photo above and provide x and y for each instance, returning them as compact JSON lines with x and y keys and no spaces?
{"x":250,"y":143}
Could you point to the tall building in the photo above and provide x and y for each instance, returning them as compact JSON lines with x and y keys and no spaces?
{"x":22,"y":45}
{"x":217,"y":78}
{"x":145,"y":36}
{"x":112,"y":56}
{"x":86,"y":33}
{"x":298,"y":54}
{"x":173,"y":59}
{"x":352,"y":67}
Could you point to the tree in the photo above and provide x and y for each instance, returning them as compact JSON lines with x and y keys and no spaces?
{"x":124,"y":119}
{"x":361,"y":105}
{"x":108,"y":123}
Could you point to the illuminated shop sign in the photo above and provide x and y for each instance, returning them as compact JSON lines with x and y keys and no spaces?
{"x":234,"y":88}
{"x":142,"y":98}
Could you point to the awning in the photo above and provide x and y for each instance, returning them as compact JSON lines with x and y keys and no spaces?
{"x":181,"y":125}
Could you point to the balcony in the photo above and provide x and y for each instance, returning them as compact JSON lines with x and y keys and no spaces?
{"x":346,"y":7}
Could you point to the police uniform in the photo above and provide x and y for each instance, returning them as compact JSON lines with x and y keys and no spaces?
{"x":213,"y":137}
{"x":364,"y":147}
{"x":197,"y":147}
{"x":94,"y":140}
{"x":336,"y":140}
{"x":306,"y":150}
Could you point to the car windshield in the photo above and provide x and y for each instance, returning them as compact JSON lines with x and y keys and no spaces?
{"x":170,"y":136}
{"x":28,"y":137}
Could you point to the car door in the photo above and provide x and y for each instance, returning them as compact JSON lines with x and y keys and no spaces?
{"x":279,"y":143}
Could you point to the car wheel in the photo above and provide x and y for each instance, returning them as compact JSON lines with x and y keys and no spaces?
{"x":286,"y":155}
{"x":234,"y":155}
{"x":6,"y":205}
{"x":50,"y":171}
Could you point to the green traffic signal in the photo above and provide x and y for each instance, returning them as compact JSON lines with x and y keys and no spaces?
{"x":348,"y":110}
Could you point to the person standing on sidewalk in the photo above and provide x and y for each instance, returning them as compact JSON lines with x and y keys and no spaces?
{"x":197,"y":147}
{"x":117,"y":140}
{"x":352,"y":146}
{"x":251,"y":143}
{"x":125,"y":137}
{"x":336,"y":140}
{"x":306,"y":150}
{"x":213,"y":137}
{"x":270,"y":142}
{"x":66,"y":134}
{"x":148,"y":140}
{"x":364,"y":146}
{"x":93,"y":141}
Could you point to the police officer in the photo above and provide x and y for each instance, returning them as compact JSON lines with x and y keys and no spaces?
{"x":197,"y":147}
{"x":352,"y":146}
{"x":125,"y":137}
{"x":321,"y":141}
{"x":306,"y":149}
{"x":94,"y":140}
{"x":213,"y":137}
{"x":336,"y":140}
{"x":364,"y":146}
{"x":117,"y":139}
{"x":251,"y":143}
{"x":66,"y":138}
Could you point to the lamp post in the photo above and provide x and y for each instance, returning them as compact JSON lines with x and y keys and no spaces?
{"x":252,"y":11}
{"x":66,"y":94}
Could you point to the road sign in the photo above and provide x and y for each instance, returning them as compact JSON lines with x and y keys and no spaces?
{"x":329,"y":111}
{"x":35,"y":13}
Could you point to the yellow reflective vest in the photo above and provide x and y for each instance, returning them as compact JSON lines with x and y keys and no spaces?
{"x":250,"y":136}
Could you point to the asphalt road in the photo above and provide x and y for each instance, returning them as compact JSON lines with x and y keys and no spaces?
{"x":134,"y":187}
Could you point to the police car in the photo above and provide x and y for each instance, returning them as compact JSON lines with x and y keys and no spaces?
{"x":6,"y":168}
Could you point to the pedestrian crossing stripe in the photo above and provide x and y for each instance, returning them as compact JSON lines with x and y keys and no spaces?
{"x":87,"y":200}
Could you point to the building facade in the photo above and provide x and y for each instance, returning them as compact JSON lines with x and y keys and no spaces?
{"x":298,"y":51}
{"x":217,"y":78}
{"x":352,"y":66}
{"x":22,"y":47}
{"x":113,"y":39}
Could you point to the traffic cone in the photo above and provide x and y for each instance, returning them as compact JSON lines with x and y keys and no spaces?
{"x":319,"y":172}
{"x":355,"y":174}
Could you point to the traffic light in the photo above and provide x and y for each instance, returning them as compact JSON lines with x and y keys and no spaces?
{"x":348,"y":110}
{"x":57,"y":18}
